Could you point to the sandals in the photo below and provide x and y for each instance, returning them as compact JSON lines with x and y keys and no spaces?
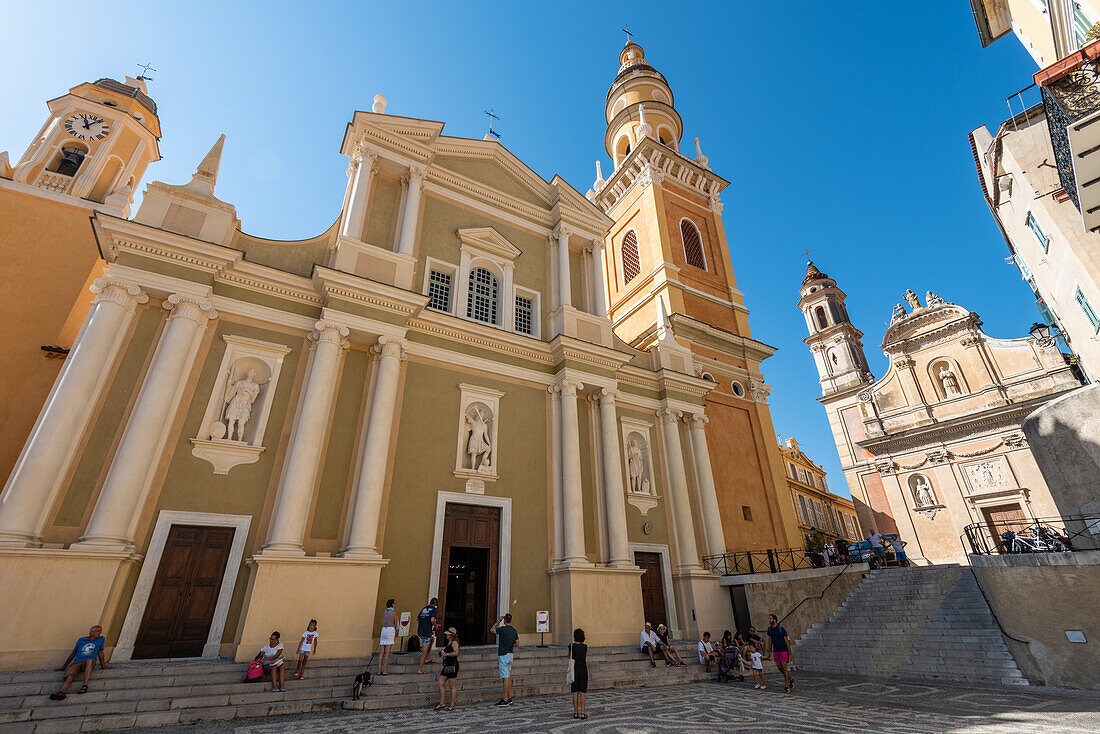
{"x":83,"y":689}
{"x":58,"y":696}
{"x":439,"y":707}
{"x":449,"y":708}
{"x":584,"y":716}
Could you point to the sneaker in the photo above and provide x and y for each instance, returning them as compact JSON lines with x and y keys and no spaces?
{"x":786,"y":689}
{"x":668,"y":663}
{"x":757,"y":686}
{"x":501,"y":702}
{"x":652,"y":664}
{"x":508,"y":702}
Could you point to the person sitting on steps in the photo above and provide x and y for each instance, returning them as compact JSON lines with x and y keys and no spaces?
{"x":672,"y":656}
{"x":83,"y":658}
{"x":650,"y":644}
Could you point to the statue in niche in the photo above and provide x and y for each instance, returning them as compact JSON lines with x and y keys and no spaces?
{"x":922,"y":492}
{"x":635,"y":462}
{"x":950,"y":381}
{"x":239,"y":397}
{"x":932,"y":299}
{"x":479,"y":445}
{"x":911,"y":297}
{"x":899,"y":313}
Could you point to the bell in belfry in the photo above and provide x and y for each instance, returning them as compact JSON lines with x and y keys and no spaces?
{"x":70,"y":162}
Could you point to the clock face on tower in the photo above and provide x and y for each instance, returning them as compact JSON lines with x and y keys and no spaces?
{"x":86,"y":126}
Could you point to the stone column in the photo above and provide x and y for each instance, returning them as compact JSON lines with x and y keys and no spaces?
{"x":120,"y":503}
{"x":618,"y":547}
{"x":363,"y":533}
{"x":363,"y":164}
{"x":33,"y":485}
{"x":599,"y":277}
{"x":555,"y":467}
{"x":412,"y":210}
{"x":565,"y":290}
{"x":303,"y":461}
{"x":687,"y":553}
{"x":708,"y":495}
{"x":572,"y":499}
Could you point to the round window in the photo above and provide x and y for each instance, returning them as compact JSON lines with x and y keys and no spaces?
{"x":738,"y":389}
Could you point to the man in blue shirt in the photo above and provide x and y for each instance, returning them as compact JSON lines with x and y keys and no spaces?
{"x":781,"y":650}
{"x":507,"y":639}
{"x":83,"y":657}
{"x":425,"y":627}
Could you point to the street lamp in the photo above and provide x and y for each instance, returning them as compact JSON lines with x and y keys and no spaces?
{"x":1041,"y":334}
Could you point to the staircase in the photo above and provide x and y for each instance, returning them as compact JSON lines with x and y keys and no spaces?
{"x":160,"y":693}
{"x":929,"y":622}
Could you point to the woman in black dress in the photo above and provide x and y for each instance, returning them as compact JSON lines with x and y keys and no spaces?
{"x":578,"y":653}
{"x":450,"y":669}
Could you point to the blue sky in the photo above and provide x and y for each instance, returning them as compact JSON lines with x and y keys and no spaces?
{"x":841,"y":126}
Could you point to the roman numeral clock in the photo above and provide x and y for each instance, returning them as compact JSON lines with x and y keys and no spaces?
{"x":84,"y":126}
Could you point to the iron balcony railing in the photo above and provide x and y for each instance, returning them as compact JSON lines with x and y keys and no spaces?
{"x":772,"y":560}
{"x":1071,"y":92}
{"x":1063,"y":534}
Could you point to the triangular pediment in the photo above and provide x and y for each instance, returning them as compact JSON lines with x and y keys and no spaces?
{"x":490,"y":163}
{"x":488,"y":240}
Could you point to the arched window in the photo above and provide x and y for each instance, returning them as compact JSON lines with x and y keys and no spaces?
{"x":819,"y":316}
{"x":483,"y":303}
{"x":69,"y":159}
{"x":632,"y":259}
{"x":693,"y":244}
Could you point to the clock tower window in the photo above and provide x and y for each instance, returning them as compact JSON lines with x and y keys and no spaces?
{"x":69,"y":160}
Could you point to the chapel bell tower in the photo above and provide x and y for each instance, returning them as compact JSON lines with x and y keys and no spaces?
{"x":835,"y":343}
{"x":639,"y":104}
{"x":95,"y":145}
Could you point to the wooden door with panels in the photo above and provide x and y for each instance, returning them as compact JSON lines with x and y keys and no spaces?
{"x":469,"y":568}
{"x":185,"y":591}
{"x":653,"y":587}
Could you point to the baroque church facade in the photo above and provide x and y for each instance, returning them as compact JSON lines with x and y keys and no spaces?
{"x":935,"y":444}
{"x":476,"y":385}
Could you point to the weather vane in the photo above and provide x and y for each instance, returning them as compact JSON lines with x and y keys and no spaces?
{"x":626,"y":29}
{"x":492,"y":116}
{"x":806,"y":254}
{"x":145,"y":69}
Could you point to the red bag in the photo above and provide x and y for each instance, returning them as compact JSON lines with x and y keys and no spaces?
{"x":255,"y":672}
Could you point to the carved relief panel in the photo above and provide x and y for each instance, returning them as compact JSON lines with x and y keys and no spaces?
{"x":233,"y":426}
{"x":641,"y":492}
{"x":990,"y":474}
{"x":478,"y":432}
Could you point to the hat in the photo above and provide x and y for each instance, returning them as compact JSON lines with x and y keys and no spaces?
{"x":451,"y":631}
{"x":648,"y":624}
{"x":661,"y":627}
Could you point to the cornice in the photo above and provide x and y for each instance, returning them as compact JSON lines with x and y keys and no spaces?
{"x":487,"y":194}
{"x":659,"y":164}
{"x":266,"y":280}
{"x":467,"y":148}
{"x":371,"y":293}
{"x":567,"y":348}
{"x":720,"y":340}
{"x":478,"y":335}
{"x":901,"y":336}
{"x":115,"y":235}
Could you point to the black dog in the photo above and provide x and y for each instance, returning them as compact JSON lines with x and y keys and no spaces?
{"x":363,"y":679}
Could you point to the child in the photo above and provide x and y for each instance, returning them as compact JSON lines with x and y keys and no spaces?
{"x":307,"y":647}
{"x":271,"y":657}
{"x":757,"y":667}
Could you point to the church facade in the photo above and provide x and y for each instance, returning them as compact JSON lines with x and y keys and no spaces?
{"x":935,"y":444}
{"x":476,"y":385}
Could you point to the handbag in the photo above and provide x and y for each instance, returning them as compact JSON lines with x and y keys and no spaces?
{"x":570,"y":672}
{"x":255,"y":672}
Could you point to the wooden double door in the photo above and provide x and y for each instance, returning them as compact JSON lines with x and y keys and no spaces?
{"x":185,"y":591}
{"x":653,"y":587}
{"x":469,"y":571}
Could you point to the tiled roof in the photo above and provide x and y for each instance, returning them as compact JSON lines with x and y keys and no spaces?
{"x":143,"y":99}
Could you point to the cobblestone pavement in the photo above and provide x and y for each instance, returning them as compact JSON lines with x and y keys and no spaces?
{"x":820,"y":703}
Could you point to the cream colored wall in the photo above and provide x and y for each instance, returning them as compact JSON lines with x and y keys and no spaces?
{"x":780,"y":595}
{"x":382,"y":211}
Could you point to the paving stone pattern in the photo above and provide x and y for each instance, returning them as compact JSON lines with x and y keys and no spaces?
{"x":929,"y":622}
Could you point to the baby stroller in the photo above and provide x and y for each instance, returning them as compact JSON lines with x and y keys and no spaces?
{"x":729,"y":665}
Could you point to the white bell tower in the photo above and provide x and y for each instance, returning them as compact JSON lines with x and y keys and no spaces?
{"x":835,"y":343}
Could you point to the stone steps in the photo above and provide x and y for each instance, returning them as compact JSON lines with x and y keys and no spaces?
{"x":155,"y":694}
{"x":928,"y":623}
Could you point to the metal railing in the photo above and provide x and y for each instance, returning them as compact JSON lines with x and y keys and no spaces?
{"x":1063,"y":534}
{"x":773,"y":560}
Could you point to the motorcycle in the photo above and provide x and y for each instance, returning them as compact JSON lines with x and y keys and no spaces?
{"x":1035,"y":539}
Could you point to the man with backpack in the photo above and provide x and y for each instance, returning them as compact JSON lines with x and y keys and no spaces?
{"x":425,"y":627}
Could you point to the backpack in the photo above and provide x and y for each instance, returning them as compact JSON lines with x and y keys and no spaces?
{"x":255,"y":672}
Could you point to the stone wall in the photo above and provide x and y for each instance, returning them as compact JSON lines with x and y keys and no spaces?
{"x":779,"y":593}
{"x":1038,"y":597}
{"x":1065,"y":439}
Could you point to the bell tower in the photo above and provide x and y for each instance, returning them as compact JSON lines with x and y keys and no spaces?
{"x":639,"y":104}
{"x":95,"y":145}
{"x":834,"y":342}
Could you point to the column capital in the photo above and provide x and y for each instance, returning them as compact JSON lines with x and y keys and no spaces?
{"x":561,"y":231}
{"x":668,"y":415}
{"x":330,"y":332}
{"x":415,"y":174}
{"x":117,"y":291}
{"x":195,"y":308}
{"x":555,"y":391}
{"x":391,"y":346}
{"x":569,"y":386}
{"x":608,"y":395}
{"x":696,"y":420}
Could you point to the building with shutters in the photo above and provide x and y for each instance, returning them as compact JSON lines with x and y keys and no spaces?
{"x":818,"y":509}
{"x":476,"y":385}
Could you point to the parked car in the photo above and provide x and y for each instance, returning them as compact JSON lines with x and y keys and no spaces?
{"x":861,"y":552}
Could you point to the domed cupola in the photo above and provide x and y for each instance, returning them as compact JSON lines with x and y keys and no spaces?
{"x":639,"y":104}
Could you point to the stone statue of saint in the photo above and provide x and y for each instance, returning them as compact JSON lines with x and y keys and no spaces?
{"x":635,"y":465}
{"x":910,"y":296}
{"x":932,"y":299}
{"x":479,"y":445}
{"x":950,"y":381}
{"x":239,"y":397}
{"x":922,"y":493}
{"x":899,"y":313}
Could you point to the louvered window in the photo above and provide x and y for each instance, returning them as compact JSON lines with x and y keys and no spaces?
{"x":1087,"y":308}
{"x":632,"y":259}
{"x":693,"y":244}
